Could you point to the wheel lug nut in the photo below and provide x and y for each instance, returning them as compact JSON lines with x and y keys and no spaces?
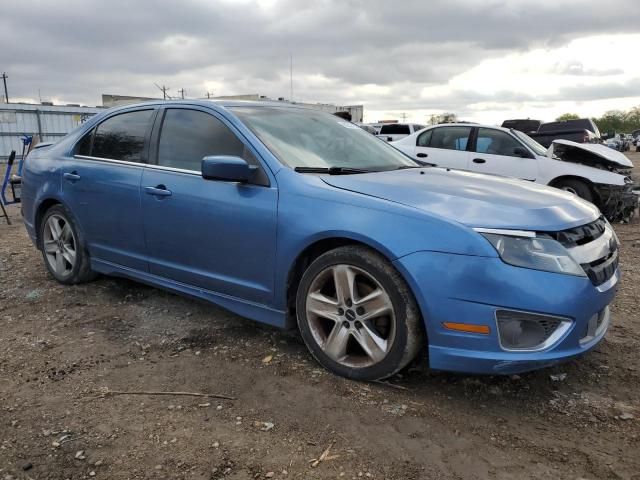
{"x":340,"y":311}
{"x":349,"y":302}
{"x":345,"y":324}
{"x":358,"y":324}
{"x":360,"y":310}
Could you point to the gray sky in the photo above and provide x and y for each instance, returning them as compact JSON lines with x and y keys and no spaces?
{"x":484,"y":60}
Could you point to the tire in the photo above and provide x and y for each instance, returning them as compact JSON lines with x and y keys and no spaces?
{"x":577,"y":187}
{"x":63,"y":250}
{"x":371,"y":331}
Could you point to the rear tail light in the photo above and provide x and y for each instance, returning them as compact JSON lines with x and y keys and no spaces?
{"x":529,"y":331}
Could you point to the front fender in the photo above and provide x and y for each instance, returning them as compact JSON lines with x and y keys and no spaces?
{"x":553,"y":169}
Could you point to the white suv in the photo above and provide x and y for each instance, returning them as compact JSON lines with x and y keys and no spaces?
{"x":591,"y":171}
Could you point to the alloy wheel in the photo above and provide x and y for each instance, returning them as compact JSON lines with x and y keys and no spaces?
{"x":59,"y":244}
{"x":351,"y":316}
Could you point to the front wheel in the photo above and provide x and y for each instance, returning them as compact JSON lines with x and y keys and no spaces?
{"x":577,"y":187}
{"x":357,"y":315}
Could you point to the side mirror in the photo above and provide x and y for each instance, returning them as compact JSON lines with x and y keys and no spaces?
{"x":521,"y":152}
{"x":228,"y":169}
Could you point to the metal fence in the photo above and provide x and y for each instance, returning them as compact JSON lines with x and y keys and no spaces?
{"x":50,"y":122}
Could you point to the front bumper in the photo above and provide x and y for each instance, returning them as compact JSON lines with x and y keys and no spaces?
{"x":467,"y":289}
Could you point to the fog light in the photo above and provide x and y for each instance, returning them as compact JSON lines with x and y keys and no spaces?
{"x":529,"y":331}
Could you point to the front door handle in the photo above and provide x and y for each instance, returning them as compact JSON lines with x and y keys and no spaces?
{"x":71,"y":177}
{"x":479,"y":160}
{"x":422,"y":155}
{"x":159,"y":191}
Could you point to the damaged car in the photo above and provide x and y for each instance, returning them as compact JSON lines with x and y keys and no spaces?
{"x":593,"y":172}
{"x":298,"y":219}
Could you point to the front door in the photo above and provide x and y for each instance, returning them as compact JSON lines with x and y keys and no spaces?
{"x":497,"y":153}
{"x":216,"y":235}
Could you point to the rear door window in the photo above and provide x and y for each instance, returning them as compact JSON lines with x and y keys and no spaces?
{"x":450,"y":138}
{"x":122,"y":137}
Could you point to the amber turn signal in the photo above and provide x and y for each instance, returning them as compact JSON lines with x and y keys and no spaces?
{"x":467,"y":327}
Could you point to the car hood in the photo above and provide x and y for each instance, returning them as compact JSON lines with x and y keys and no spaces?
{"x":475,"y":200}
{"x":591,"y":154}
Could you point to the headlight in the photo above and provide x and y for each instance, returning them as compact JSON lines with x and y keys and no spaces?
{"x":524,"y":249}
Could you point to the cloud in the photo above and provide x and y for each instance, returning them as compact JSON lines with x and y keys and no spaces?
{"x":384,"y":54}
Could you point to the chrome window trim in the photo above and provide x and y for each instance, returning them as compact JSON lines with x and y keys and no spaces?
{"x":564,"y":326}
{"x":174,"y":169}
{"x":510,"y":233}
{"x":138,"y":164}
{"x":110,"y":160}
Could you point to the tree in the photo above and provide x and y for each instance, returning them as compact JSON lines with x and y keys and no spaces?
{"x":567,"y":116}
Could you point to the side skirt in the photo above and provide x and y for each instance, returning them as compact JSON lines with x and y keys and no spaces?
{"x":254,"y":311}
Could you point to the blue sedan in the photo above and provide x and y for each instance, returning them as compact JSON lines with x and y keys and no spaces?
{"x":294,"y":217}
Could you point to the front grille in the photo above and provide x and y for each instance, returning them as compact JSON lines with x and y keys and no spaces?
{"x":600,"y":269}
{"x":581,"y":235}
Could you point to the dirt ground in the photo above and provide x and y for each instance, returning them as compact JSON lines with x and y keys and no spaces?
{"x":61,"y":348}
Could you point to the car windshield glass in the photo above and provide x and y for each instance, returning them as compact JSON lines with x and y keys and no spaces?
{"x":307,"y":138}
{"x":530,"y":142}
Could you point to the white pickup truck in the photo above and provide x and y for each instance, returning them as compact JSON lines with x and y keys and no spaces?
{"x":395,"y":131}
{"x":591,"y":171}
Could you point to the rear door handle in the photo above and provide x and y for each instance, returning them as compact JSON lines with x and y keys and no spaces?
{"x":159,"y":191}
{"x":71,"y":177}
{"x":479,"y":160}
{"x":422,"y":155}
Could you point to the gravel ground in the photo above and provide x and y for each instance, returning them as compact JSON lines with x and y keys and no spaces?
{"x":62,"y":348}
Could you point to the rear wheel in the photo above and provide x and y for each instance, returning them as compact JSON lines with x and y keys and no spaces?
{"x":63,"y":248}
{"x":357,"y":315}
{"x":577,"y":187}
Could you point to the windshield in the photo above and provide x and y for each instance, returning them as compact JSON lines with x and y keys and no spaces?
{"x":308,"y":138}
{"x":530,"y":142}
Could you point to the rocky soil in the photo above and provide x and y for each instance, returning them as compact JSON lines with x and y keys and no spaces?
{"x":65,"y":350}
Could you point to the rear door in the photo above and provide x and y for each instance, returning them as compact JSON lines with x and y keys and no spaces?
{"x":216,"y":235}
{"x":101,"y":186}
{"x":499,"y":153}
{"x":444,"y":146}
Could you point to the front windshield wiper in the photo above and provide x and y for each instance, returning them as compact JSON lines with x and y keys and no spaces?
{"x":331,"y":170}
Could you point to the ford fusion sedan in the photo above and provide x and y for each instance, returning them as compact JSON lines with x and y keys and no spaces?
{"x":591,"y":171}
{"x":294,"y":217}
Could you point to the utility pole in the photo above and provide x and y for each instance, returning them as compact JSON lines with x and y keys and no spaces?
{"x":404,"y":116}
{"x":163,"y":89}
{"x":6,"y":94}
{"x":181,"y":92}
{"x":291,"y":77}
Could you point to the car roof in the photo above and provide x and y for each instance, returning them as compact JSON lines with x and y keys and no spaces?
{"x":212,"y":103}
{"x":469,"y":124}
